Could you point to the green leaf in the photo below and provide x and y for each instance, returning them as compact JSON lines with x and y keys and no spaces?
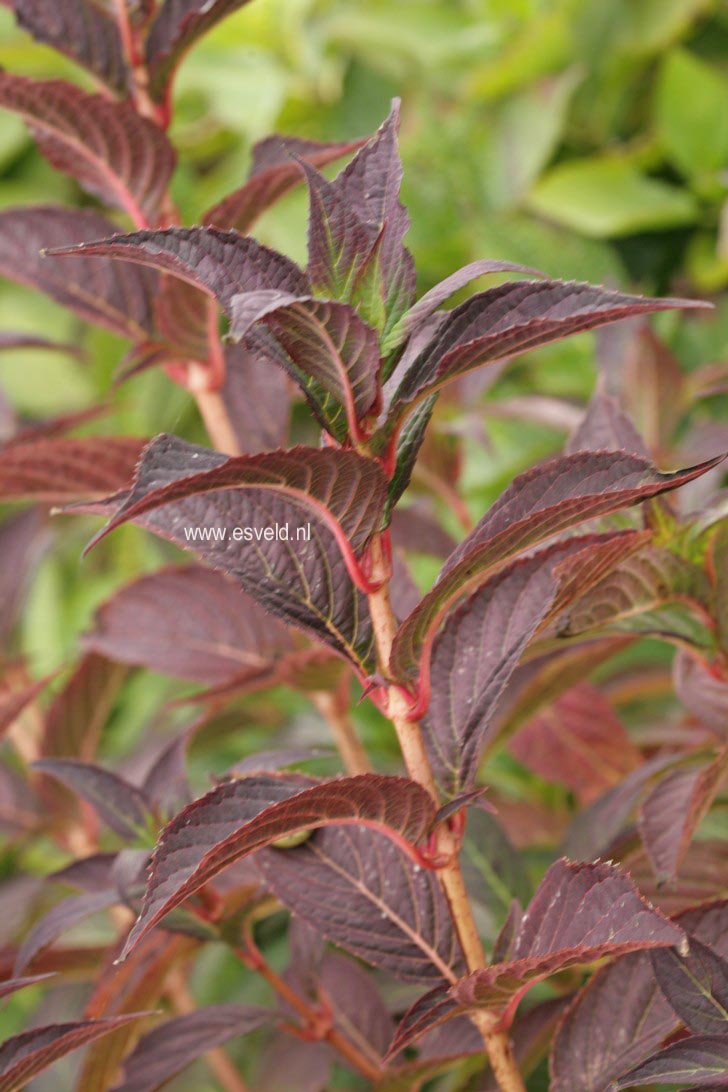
{"x":606,"y":196}
{"x":690,"y":113}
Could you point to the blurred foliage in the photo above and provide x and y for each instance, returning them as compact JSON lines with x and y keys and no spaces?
{"x":586,"y":139}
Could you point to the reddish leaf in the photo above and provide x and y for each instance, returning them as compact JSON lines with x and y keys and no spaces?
{"x":361,"y":891}
{"x":330,"y":352}
{"x":115,"y":296}
{"x":23,"y":1056}
{"x":587,"y":1055}
{"x":13,"y":702}
{"x":273,"y":172}
{"x":580,"y":913}
{"x":176,"y":27}
{"x":120,"y":805}
{"x":414,"y":528}
{"x":10,"y":985}
{"x":190,"y":622}
{"x":238,"y":817}
{"x":221,"y":263}
{"x":703,"y":689}
{"x":63,"y":917}
{"x":559,"y":494}
{"x":9,"y":340}
{"x":169,"y":1048}
{"x":328,"y":501}
{"x":639,"y":597}
{"x":63,"y":469}
{"x":514,"y":318}
{"x":258,"y":400}
{"x":482,"y":641}
{"x":113,"y":151}
{"x":696,"y":985}
{"x":578,"y":742}
{"x":23,"y":538}
{"x":359,"y":1009}
{"x":429,"y":303}
{"x":673,"y":811}
{"x":700,"y":1060}
{"x":81,"y":709}
{"x":81,"y":29}
{"x":606,"y":427}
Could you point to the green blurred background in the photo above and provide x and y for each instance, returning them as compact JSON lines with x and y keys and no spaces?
{"x":587,"y":139}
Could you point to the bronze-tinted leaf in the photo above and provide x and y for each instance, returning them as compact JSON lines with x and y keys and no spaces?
{"x":100,"y":291}
{"x":112,"y":150}
{"x":238,"y":817}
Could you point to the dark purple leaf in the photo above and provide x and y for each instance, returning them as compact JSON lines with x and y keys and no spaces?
{"x":168,"y":1049}
{"x":165,"y":785}
{"x":10,"y":985}
{"x":238,"y":817}
{"x":696,"y":985}
{"x":190,"y":622}
{"x":23,"y":1056}
{"x":221,"y":263}
{"x":429,"y":303}
{"x":62,"y":469}
{"x":495,"y":872}
{"x":700,"y":1060}
{"x":273,"y":172}
{"x":482,"y":641}
{"x":258,"y":400}
{"x":514,"y":318}
{"x":596,"y":827}
{"x":580,"y":913}
{"x":287,"y":1062}
{"x":81,"y":709}
{"x":112,"y":150}
{"x":359,"y":1010}
{"x":428,"y":1013}
{"x":120,"y":805}
{"x":606,"y":427}
{"x":63,"y":917}
{"x":325,"y":347}
{"x":92,"y":873}
{"x":81,"y":29}
{"x":175,"y":28}
{"x":621,"y":1016}
{"x":361,"y":891}
{"x":674,"y":809}
{"x":328,"y":502}
{"x":557,"y":495}
{"x":579,"y":742}
{"x":415,"y":529}
{"x":103,"y":292}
